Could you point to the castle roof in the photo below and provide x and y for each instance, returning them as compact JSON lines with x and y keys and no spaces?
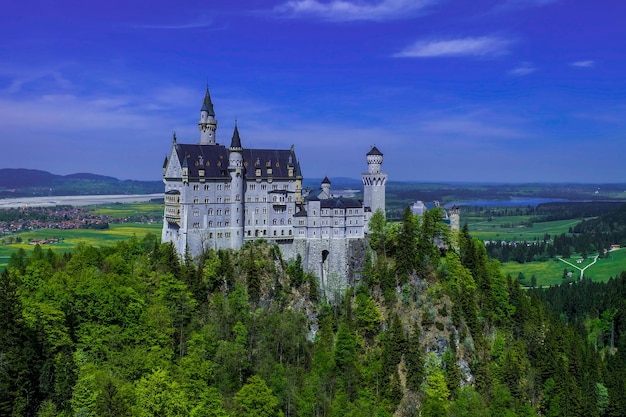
{"x":214,"y":160}
{"x":340,"y":203}
{"x":374,"y":151}
{"x":325,"y":180}
{"x":236,"y":140}
{"x":207,"y":104}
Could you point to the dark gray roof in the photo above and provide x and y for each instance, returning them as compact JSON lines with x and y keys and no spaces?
{"x":325,"y":180}
{"x":214,"y":160}
{"x":301,"y":213}
{"x":207,"y":104}
{"x":374,"y":151}
{"x":236,"y":140}
{"x":340,"y":202}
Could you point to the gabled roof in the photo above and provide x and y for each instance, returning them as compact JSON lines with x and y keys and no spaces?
{"x":340,"y":203}
{"x":214,"y":160}
{"x":374,"y":151}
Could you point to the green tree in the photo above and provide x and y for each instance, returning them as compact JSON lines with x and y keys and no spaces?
{"x":255,"y":399}
{"x":158,"y":395}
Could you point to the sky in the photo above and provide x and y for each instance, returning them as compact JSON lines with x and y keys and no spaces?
{"x":449,"y":90}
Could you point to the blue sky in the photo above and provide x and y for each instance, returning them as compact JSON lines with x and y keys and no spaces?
{"x":448,"y":90}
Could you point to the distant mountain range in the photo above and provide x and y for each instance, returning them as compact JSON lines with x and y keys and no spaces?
{"x":20,"y":182}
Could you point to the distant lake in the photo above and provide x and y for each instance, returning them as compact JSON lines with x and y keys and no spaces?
{"x":511,"y":202}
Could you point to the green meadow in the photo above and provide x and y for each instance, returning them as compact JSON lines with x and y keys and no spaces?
{"x":551,"y":272}
{"x":515,"y":228}
{"x":122,"y":210}
{"x":71,"y":238}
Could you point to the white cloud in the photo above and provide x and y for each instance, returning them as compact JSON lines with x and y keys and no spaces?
{"x":470,"y":46}
{"x":583,"y":64}
{"x":344,"y":10}
{"x":524,"y":69}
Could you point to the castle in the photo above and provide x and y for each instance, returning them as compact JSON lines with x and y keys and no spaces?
{"x":219,"y":197}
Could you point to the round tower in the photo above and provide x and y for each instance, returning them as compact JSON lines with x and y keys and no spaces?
{"x":236,"y":171}
{"x":207,"y":123}
{"x":374,"y":181}
{"x":325,"y":188}
{"x":455,"y":218}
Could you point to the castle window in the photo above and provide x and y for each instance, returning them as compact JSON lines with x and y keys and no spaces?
{"x":265,"y":199}
{"x":274,"y":232}
{"x":227,"y":234}
{"x":282,"y":221}
{"x":219,"y":186}
{"x":207,"y":187}
{"x":251,"y":186}
{"x":219,"y":235}
{"x":227,"y":200}
{"x":196,"y":187}
{"x":227,"y":212}
{"x":290,"y":233}
{"x":211,"y":235}
{"x":275,"y":221}
{"x":227,"y":187}
{"x":219,"y":224}
{"x":282,"y":233}
{"x":196,"y":200}
{"x":248,"y":199}
{"x":289,"y":221}
{"x":275,"y":187}
{"x":264,"y":210}
{"x":258,"y":172}
{"x":290,"y":172}
{"x":196,"y":213}
{"x":274,"y":199}
{"x":256,"y":199}
{"x":263,"y":186}
{"x":210,"y":212}
{"x":219,"y":199}
{"x":206,"y":200}
{"x":256,"y":210}
{"x":227,"y":224}
{"x":196,"y":225}
{"x":269,"y":171}
{"x":211,"y":223}
{"x":249,"y":233}
{"x":237,"y":197}
{"x":248,"y":222}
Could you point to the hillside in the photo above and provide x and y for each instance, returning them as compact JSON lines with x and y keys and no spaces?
{"x":132,"y":330}
{"x":30,"y":182}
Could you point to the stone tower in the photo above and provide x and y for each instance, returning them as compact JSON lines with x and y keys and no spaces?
{"x":455,"y":218}
{"x":374,"y":181}
{"x":236,"y":171}
{"x":207,"y":123}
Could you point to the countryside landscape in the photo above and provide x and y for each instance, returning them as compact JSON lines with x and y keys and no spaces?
{"x":313,"y":208}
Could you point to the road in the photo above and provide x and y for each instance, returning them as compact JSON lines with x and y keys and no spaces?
{"x":75,"y":200}
{"x":582,"y":270}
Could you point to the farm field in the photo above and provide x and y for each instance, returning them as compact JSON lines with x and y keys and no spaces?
{"x":515,"y":228}
{"x":71,"y":238}
{"x":121,"y":210}
{"x":551,"y":272}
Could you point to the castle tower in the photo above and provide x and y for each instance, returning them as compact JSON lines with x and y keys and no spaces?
{"x":455,"y":218}
{"x":325,"y":194}
{"x":236,"y":171}
{"x":374,"y":181}
{"x":207,"y":123}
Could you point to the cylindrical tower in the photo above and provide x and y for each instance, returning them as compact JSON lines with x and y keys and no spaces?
{"x":374,"y":181}
{"x":236,"y":170}
{"x":207,"y":123}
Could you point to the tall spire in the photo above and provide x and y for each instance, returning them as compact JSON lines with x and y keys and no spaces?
{"x":236,"y":141}
{"x":207,"y":104}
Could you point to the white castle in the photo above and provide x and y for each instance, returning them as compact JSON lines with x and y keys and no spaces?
{"x":219,"y":197}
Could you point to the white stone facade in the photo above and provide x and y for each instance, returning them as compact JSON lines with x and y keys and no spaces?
{"x":218,"y":197}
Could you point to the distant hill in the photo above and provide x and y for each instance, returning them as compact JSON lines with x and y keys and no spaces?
{"x":21,"y":182}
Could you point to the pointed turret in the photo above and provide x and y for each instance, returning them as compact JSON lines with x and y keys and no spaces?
{"x":207,"y":104}
{"x":207,"y":123}
{"x":235,"y":143}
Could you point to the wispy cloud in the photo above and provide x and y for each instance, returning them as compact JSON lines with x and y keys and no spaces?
{"x":525,"y":69}
{"x":583,"y":64}
{"x":510,"y":5}
{"x":345,"y":10}
{"x":482,"y":46}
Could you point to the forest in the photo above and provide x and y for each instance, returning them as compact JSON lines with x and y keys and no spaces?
{"x":431,"y":328}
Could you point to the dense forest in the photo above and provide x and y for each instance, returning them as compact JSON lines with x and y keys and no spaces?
{"x":431,"y":328}
{"x":592,"y":236}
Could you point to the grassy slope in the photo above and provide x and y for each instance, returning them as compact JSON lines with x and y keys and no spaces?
{"x":551,"y":272}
